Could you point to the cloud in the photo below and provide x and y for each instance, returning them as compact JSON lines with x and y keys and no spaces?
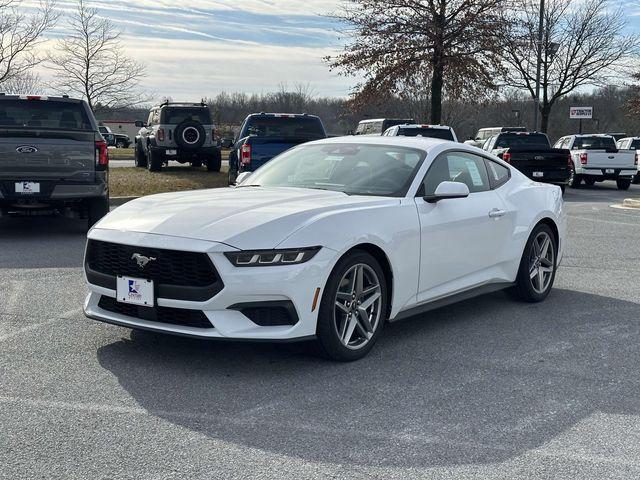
{"x":214,"y":45}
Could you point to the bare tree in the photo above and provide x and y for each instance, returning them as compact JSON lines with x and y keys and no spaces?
{"x":413,"y":46}
{"x":20,"y":35}
{"x":90,"y":62}
{"x":23,"y":84}
{"x":583,"y":44}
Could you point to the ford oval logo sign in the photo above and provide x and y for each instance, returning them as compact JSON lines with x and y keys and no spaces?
{"x":26,"y":149}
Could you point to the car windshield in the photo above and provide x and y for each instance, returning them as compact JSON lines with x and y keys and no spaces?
{"x":594,"y":143}
{"x":529,"y":140}
{"x":443,"y":133}
{"x":349,"y":168}
{"x":39,"y":114}
{"x":175,"y":116}
{"x":285,"y":127}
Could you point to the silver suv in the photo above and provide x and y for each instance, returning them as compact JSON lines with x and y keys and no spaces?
{"x":177,"y":131}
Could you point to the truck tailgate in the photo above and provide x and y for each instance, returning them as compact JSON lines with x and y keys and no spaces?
{"x":264,"y":149}
{"x":47,"y":154}
{"x":541,"y":164}
{"x":601,"y":159}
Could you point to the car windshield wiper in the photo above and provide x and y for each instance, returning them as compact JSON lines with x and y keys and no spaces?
{"x":252,"y":185}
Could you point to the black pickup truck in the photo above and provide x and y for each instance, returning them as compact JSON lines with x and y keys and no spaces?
{"x":532,"y":154}
{"x":266,"y":135}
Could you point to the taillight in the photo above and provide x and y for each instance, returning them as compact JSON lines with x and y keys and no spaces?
{"x":160,"y":135}
{"x":102,"y":153}
{"x":583,"y":158}
{"x":245,"y":154}
{"x":636,"y":160}
{"x":506,"y":156}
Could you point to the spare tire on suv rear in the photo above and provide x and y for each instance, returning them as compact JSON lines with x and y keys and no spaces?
{"x":190,"y":135}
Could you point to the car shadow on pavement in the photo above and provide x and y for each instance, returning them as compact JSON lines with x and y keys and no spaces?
{"x":478,"y":382}
{"x":42,"y":242}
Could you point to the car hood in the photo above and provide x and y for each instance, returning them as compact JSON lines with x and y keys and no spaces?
{"x":244,"y":218}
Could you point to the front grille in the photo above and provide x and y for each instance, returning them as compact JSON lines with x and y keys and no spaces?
{"x":177,"y":275}
{"x":171,"y":316}
{"x":268,"y":314}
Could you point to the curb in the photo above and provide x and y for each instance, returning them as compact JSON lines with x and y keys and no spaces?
{"x":117,"y":201}
{"x":631,"y":203}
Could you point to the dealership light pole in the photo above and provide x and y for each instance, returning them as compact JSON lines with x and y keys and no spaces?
{"x":536,"y":100}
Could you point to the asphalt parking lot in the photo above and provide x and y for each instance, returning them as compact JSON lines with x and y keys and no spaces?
{"x":485,"y":389}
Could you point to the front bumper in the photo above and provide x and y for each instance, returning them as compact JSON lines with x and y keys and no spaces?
{"x":294,"y":285}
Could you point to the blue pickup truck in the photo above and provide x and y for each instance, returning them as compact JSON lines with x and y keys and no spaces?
{"x":265,"y":135}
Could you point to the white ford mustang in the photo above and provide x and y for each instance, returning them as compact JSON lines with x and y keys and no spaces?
{"x":328,"y":241}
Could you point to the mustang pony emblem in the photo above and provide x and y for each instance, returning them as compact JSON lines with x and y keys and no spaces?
{"x":142,"y":260}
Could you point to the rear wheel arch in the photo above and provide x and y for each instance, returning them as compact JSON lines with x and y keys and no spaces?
{"x":552,"y":225}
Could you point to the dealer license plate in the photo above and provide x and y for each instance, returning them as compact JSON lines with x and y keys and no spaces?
{"x":27,"y":188}
{"x":172,"y":152}
{"x":137,"y":291}
{"x":538,"y":174}
{"x":610,"y":170}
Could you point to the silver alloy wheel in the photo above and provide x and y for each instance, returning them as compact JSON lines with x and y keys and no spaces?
{"x":542,"y":262}
{"x":357,"y":306}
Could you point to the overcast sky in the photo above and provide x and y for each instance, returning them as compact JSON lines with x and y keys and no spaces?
{"x":196,"y":48}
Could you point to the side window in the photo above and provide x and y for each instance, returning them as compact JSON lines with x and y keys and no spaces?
{"x":457,"y":167}
{"x":498,"y":174}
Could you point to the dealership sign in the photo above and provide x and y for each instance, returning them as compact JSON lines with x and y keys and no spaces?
{"x":581,"y":112}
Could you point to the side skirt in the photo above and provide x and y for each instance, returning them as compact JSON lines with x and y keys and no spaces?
{"x":455,"y":298}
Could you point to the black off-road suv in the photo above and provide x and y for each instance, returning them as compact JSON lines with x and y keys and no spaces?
{"x":177,"y":131}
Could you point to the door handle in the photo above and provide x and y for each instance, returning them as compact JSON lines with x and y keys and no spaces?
{"x":495,"y":213}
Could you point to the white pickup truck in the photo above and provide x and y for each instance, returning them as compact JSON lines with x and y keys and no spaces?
{"x":595,"y":158}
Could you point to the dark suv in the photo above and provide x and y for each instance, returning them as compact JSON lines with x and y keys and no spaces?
{"x":53,"y":158}
{"x":177,"y":131}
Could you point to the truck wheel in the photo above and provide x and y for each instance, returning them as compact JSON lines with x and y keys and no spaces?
{"x":233,"y":174}
{"x":140,"y":158}
{"x":623,"y":183}
{"x":214,"y":162}
{"x":574,"y":180}
{"x":636,"y":179}
{"x":96,"y":209}
{"x":154,"y":163}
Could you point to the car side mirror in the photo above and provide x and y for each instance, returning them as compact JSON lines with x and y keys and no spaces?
{"x":242,"y":177}
{"x":139,"y":124}
{"x":447,"y":191}
{"x":226,"y":143}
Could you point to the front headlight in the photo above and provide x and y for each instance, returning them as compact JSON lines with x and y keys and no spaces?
{"x":270,"y":258}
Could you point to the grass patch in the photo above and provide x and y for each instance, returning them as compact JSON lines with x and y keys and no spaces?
{"x":137,"y":182}
{"x":128,"y":154}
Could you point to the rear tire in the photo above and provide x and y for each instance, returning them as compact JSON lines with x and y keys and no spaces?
{"x":636,"y":179}
{"x":96,"y":209}
{"x":623,"y":183}
{"x":538,"y":265}
{"x":214,"y":163}
{"x":348,"y":331}
{"x":154,"y":162}
{"x":574,"y":180}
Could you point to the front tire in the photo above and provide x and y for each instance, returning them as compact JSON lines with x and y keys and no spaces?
{"x":353,"y":308}
{"x":623,"y":183}
{"x":538,"y":265}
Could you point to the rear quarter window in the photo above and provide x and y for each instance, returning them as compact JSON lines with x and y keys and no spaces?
{"x":38,"y":114}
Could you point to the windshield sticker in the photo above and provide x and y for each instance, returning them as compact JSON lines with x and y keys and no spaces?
{"x":474,"y":172}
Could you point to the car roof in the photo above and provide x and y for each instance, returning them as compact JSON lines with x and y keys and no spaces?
{"x":419,"y":143}
{"x":43,"y":98}
{"x":629,"y":138}
{"x":286,"y":115}
{"x":423,"y":125}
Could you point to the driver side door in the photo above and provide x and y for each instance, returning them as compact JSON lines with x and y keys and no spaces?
{"x":461,"y":238}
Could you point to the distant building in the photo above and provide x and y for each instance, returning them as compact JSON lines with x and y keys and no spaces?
{"x":125,"y":126}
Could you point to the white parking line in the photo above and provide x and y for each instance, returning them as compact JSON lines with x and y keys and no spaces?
{"x":36,"y":326}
